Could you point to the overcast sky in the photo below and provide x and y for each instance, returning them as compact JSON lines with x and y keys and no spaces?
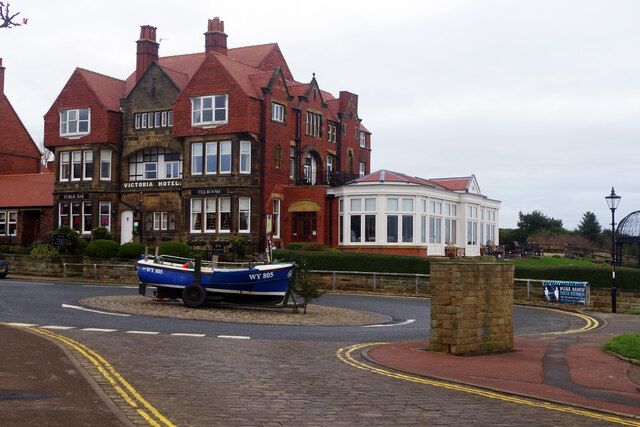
{"x":539,"y":99}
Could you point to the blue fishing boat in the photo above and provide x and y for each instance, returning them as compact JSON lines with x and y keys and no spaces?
{"x":198,"y":283}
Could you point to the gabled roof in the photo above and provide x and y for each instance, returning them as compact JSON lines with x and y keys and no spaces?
{"x":467,"y":184}
{"x":180,"y":68}
{"x":386,"y":176}
{"x":14,"y":137}
{"x":109,"y":90}
{"x":36,"y":190}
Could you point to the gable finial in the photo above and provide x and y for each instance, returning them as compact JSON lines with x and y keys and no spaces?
{"x":314,"y":75}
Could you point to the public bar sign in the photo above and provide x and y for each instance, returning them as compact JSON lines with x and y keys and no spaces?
{"x":566,"y":292}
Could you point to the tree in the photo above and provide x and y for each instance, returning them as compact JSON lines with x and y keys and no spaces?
{"x":590,"y":228}
{"x":7,"y":19}
{"x":535,"y":221}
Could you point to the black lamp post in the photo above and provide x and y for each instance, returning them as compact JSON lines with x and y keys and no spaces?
{"x":612,"y":201}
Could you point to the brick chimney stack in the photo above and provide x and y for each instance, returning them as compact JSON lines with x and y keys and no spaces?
{"x":215,"y":39}
{"x":1,"y":78}
{"x":147,"y":51}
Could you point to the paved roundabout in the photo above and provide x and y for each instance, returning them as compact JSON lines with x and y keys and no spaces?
{"x":316,"y":315}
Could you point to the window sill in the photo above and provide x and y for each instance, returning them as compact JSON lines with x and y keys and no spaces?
{"x":74,"y":135}
{"x":208,"y":125}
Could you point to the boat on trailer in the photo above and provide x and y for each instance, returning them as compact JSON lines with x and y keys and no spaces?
{"x":197,"y":282}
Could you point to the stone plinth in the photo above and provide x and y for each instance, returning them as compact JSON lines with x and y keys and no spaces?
{"x":471,"y":307}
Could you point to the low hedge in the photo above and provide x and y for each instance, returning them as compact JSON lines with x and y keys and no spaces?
{"x":357,"y":261}
{"x":178,"y":249}
{"x":599,"y":277}
{"x":103,"y":249}
{"x":131,"y":250}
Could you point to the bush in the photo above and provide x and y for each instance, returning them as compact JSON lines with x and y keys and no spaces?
{"x":69,"y":240}
{"x":103,"y":249}
{"x":178,"y":249}
{"x":238,"y":247}
{"x":599,"y":277}
{"x":312,"y":247}
{"x":101,"y":233}
{"x":13,"y":249}
{"x":294,"y":246}
{"x":131,"y":250}
{"x":43,"y":251}
{"x":358,"y":261}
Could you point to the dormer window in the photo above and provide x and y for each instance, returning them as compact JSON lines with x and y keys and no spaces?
{"x":209,"y":111}
{"x":74,"y":123}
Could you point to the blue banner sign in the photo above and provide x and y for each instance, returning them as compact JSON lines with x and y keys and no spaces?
{"x":566,"y":292}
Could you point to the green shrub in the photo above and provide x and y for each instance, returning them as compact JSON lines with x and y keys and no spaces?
{"x":178,"y":249}
{"x":238,"y":247}
{"x":103,"y":249}
{"x":101,"y":233}
{"x":131,"y":250}
{"x":68,"y":240}
{"x":294,"y":246}
{"x":597,"y":276}
{"x":312,"y":247}
{"x":13,"y":249}
{"x":357,"y":261}
{"x":43,"y":251}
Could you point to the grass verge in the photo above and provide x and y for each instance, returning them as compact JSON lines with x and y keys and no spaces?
{"x":624,"y":345}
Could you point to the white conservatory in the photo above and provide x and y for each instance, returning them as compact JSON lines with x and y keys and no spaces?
{"x":390,"y":212}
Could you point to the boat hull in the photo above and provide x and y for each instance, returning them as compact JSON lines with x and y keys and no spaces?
{"x":260,"y":284}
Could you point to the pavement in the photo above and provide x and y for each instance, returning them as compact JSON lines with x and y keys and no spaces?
{"x":42,"y":384}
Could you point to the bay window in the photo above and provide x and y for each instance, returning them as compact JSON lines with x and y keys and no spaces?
{"x":74,"y":123}
{"x":209,"y":110}
{"x":105,"y":214}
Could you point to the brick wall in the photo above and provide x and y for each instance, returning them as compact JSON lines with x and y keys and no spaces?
{"x":471,"y":308}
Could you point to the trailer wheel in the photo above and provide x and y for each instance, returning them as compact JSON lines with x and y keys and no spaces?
{"x":194,"y":295}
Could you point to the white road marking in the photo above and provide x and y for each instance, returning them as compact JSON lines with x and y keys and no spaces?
{"x":237,"y":337}
{"x":388,"y":325}
{"x":24,"y":325}
{"x":63,"y":328}
{"x":178,"y":334}
{"x":143,"y":332}
{"x":94,"y":311}
{"x":99,"y":330}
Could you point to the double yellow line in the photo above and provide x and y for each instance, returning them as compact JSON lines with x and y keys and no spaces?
{"x":344,"y":354}
{"x":119,"y":384}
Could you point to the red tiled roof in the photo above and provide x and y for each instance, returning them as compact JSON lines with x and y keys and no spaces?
{"x":30,"y":190}
{"x":384,"y":175}
{"x":251,"y":55}
{"x":454,"y":184}
{"x":180,"y":68}
{"x":14,"y":137}
{"x":108,"y":89}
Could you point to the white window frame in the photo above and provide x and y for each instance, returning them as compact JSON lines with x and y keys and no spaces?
{"x":12,"y":219}
{"x":137,"y":120}
{"x":363,"y":139}
{"x":86,"y":214}
{"x":61,"y":215}
{"x":221,"y":212}
{"x":164,"y":220}
{"x":144,"y":120}
{"x":245,"y":157}
{"x":101,"y":214}
{"x":244,"y":208}
{"x":65,"y":160}
{"x":66,"y":121}
{"x":210,"y":158}
{"x":276,"y":219}
{"x":76,"y":212}
{"x":197,"y":164}
{"x":195,"y":210}
{"x":363,"y":168}
{"x":226,"y":149}
{"x":157,"y":119}
{"x":277,"y":112}
{"x":198,"y":110}
{"x":87,"y":159}
{"x":105,"y":158}
{"x":3,"y":224}
{"x":208,"y":209}
{"x":156,"y":221}
{"x":164,"y":118}
{"x":76,"y":165}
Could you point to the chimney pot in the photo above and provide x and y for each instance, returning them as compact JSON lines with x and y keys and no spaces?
{"x":147,"y":50}
{"x":1,"y":78}
{"x":215,"y":39}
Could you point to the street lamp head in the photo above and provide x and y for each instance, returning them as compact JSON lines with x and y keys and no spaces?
{"x":612,"y":200}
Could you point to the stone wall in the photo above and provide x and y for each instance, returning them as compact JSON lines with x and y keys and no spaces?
{"x":471,"y":308}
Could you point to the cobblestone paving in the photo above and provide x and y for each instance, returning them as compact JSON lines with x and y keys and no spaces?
{"x":316,"y":315}
{"x":212,"y":381}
